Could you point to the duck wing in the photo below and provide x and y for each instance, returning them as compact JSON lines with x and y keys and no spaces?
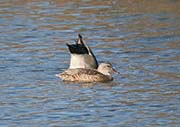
{"x":81,"y":55}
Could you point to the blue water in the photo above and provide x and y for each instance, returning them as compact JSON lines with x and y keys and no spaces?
{"x":140,"y":39}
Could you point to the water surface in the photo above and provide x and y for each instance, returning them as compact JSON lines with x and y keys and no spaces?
{"x":140,"y":38}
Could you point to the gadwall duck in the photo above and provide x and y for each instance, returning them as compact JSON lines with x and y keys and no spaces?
{"x":82,"y":55}
{"x":102,"y":74}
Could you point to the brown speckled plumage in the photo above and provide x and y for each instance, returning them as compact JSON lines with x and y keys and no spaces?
{"x":102,"y":74}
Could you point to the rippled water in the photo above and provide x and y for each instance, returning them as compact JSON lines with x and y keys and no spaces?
{"x":140,"y":38}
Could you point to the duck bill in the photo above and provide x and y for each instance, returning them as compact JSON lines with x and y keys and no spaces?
{"x":114,"y":71}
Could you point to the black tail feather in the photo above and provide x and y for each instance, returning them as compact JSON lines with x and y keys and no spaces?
{"x":77,"y":49}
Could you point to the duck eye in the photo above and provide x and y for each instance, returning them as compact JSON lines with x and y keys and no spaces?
{"x":108,"y":66}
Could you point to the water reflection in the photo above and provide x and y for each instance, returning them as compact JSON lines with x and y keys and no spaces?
{"x":140,"y":38}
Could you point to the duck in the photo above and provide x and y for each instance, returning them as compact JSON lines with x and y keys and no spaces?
{"x":81,"y":55}
{"x":102,"y":74}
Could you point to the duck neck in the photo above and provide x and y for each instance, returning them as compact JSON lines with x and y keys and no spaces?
{"x":103,"y":72}
{"x":107,"y":74}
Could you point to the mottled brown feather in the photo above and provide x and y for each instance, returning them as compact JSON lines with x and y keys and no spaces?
{"x":84,"y":75}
